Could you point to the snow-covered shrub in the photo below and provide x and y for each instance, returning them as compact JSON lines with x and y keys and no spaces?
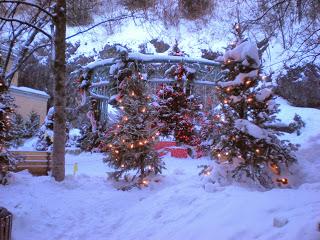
{"x":74,"y":138}
{"x":45,"y":134}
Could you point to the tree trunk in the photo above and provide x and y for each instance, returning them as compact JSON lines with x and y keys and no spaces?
{"x":59,"y":72}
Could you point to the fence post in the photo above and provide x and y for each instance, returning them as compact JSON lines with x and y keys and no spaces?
{"x":5,"y":224}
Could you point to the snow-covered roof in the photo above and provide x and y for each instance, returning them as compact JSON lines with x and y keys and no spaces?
{"x":30,"y":91}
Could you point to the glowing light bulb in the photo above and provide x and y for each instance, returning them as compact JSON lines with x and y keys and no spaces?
{"x":247,"y":82}
{"x":284,"y":181}
{"x":257,"y":150}
{"x":116,"y":151}
{"x":145,"y":182}
{"x":249,"y":99}
{"x":131,"y":146}
{"x":143,"y":109}
{"x":140,"y":143}
{"x":110,"y":145}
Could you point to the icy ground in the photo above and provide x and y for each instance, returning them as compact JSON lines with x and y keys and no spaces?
{"x":87,"y":207}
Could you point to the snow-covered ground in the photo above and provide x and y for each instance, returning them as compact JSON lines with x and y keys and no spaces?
{"x":178,"y":207}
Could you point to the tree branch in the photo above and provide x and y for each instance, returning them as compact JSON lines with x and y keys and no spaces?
{"x":105,"y":21}
{"x":29,"y":4}
{"x":28,"y":24}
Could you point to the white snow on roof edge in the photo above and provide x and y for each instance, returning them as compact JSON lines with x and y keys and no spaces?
{"x":30,"y":90}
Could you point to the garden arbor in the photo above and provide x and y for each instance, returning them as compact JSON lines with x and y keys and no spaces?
{"x":96,"y":80}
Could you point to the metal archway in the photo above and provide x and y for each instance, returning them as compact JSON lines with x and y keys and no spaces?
{"x":208,"y":73}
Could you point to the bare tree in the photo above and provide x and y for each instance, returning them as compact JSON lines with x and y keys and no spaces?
{"x":24,"y":21}
{"x":297,"y":22}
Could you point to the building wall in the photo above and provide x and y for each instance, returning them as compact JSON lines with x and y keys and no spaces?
{"x":27,"y":103}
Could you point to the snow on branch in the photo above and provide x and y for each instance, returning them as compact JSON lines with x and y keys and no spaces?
{"x":250,"y":128}
{"x":240,"y":79}
{"x":144,"y":58}
{"x":246,"y":52}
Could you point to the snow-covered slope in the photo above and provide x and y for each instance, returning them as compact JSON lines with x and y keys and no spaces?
{"x":178,"y":207}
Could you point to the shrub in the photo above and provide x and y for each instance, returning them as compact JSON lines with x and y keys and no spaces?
{"x":193,"y":10}
{"x":133,"y":5}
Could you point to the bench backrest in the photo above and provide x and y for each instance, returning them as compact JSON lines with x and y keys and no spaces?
{"x":37,"y":163}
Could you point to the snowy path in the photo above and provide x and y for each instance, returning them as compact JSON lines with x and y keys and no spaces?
{"x":88,"y":207}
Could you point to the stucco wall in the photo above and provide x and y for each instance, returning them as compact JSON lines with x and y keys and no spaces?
{"x":26,"y":103}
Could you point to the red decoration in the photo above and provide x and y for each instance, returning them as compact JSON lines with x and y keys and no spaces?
{"x":179,"y":152}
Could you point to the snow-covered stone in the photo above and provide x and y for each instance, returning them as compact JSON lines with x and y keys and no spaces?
{"x":280,"y":222}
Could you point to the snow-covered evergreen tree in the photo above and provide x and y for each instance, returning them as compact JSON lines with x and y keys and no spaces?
{"x":247,"y":109}
{"x":130,"y":143}
{"x":24,"y":129}
{"x":6,"y":111}
{"x":45,"y":134}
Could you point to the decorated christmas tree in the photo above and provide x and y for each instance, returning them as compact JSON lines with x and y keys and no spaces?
{"x":130,"y":143}
{"x":177,"y":108}
{"x":6,"y":111}
{"x":177,"y":114}
{"x":246,"y":141}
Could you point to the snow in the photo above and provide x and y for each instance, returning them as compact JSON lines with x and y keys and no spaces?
{"x":150,"y":58}
{"x":182,"y":205}
{"x":248,"y":127}
{"x":241,"y":77}
{"x":241,"y":52}
{"x":30,"y":90}
{"x":263,"y":94}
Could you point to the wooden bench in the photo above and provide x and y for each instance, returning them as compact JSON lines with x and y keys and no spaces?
{"x":37,"y":163}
